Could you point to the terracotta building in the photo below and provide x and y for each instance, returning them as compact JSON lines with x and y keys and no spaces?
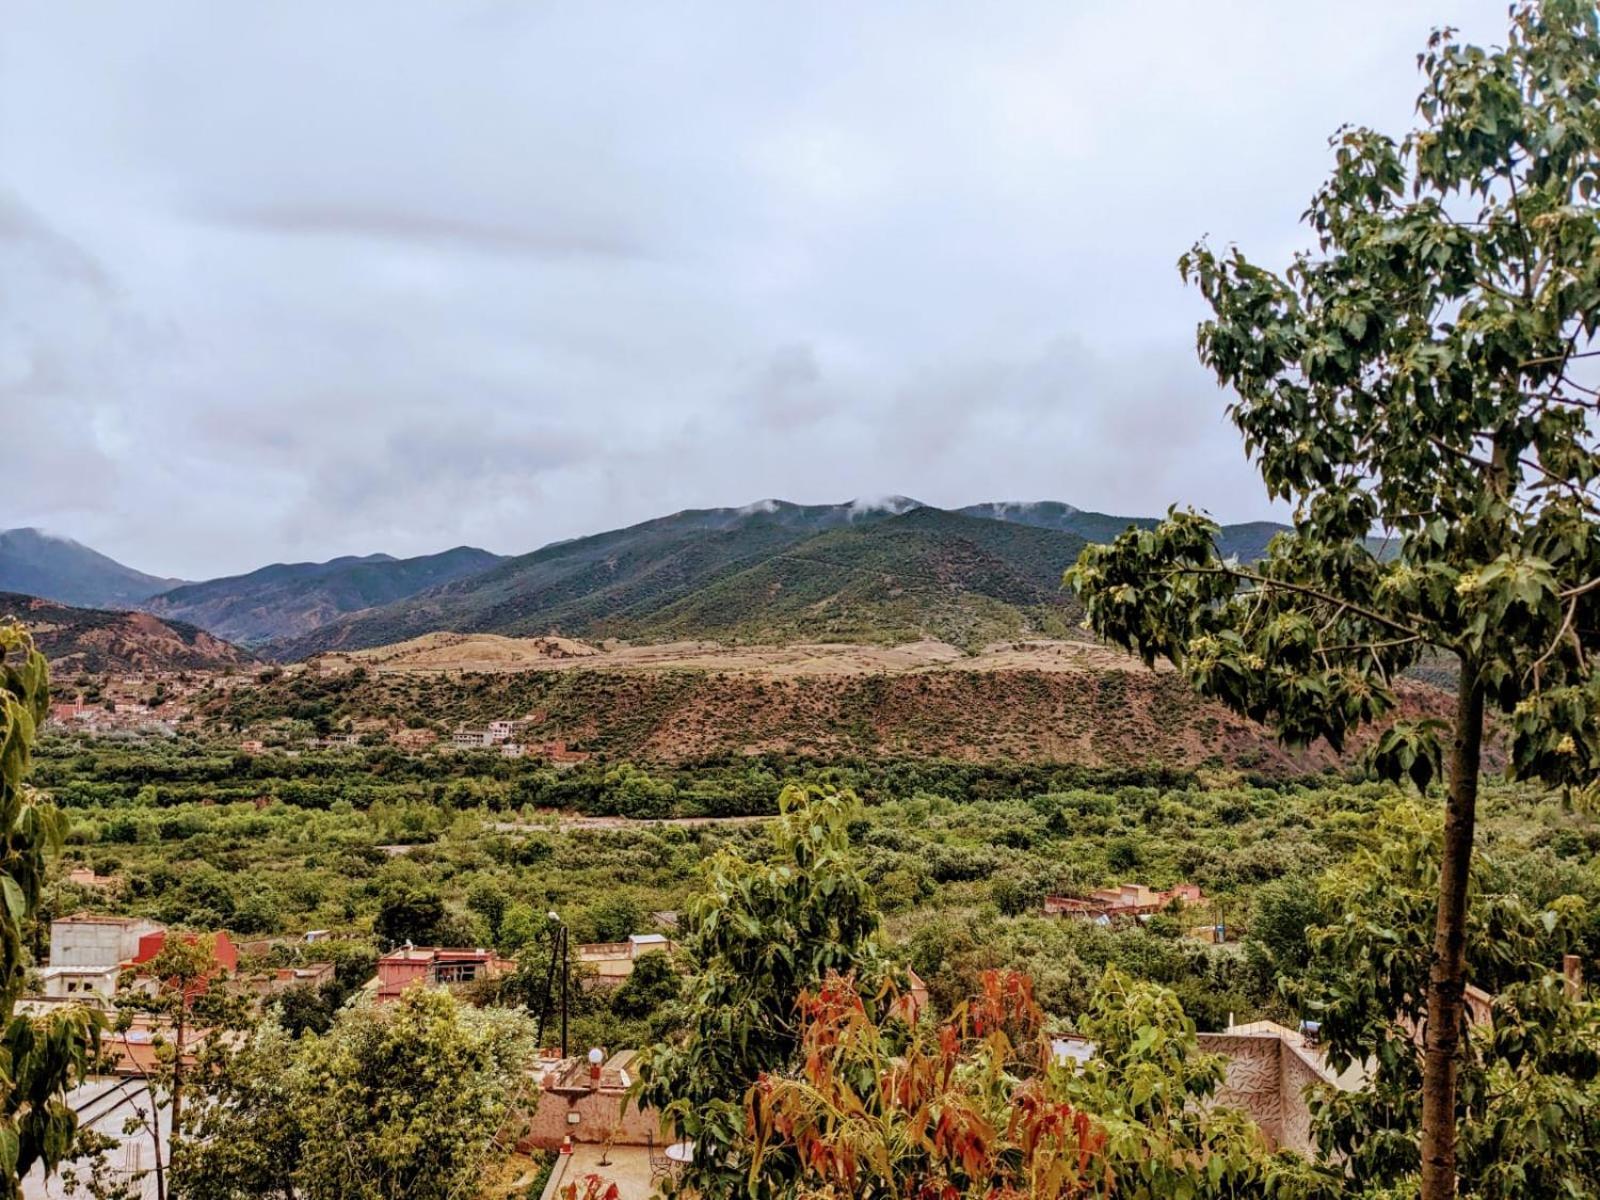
{"x":435,"y":966}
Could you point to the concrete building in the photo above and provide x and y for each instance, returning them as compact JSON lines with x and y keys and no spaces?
{"x":1269,"y":1070}
{"x":585,"y":1102}
{"x":272,"y":983}
{"x":74,"y":712}
{"x":86,"y":940}
{"x":105,"y":1104}
{"x":612,"y":962}
{"x":151,"y":944}
{"x":80,"y":983}
{"x":471,"y":739}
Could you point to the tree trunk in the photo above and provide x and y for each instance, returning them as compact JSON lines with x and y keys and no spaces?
{"x":1447,"y":976}
{"x":177,"y":1070}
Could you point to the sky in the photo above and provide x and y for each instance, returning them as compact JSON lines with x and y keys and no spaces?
{"x":282,"y":282}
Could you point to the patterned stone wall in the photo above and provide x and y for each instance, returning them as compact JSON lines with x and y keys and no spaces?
{"x":1254,"y":1080}
{"x":1298,"y":1075}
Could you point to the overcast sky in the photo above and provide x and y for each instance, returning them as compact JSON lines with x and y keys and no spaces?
{"x":290,"y":280}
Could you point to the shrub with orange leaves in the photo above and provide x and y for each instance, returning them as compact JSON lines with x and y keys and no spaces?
{"x":979,"y":1107}
{"x":590,"y":1187}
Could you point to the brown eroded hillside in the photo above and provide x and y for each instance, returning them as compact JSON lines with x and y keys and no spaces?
{"x":96,"y":640}
{"x":1025,"y":702}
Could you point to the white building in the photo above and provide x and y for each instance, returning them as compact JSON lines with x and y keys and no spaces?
{"x":85,"y":940}
{"x":78,"y":983}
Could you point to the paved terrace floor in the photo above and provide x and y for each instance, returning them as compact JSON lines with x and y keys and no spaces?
{"x":627,"y":1166}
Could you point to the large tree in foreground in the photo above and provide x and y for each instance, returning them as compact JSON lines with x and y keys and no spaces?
{"x":1421,"y":373}
{"x":759,"y":936}
{"x":40,"y":1059}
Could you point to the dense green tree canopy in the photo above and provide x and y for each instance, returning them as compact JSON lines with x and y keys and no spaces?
{"x":40,"y":1059}
{"x":1416,"y":385}
{"x":757,"y":937}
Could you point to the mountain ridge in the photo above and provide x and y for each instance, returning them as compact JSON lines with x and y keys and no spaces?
{"x":719,"y":572}
{"x":288,"y":599}
{"x":36,"y":563}
{"x":118,"y":640}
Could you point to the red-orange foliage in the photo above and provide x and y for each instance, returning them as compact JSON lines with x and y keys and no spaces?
{"x":595,"y":1187}
{"x":961,"y":1110}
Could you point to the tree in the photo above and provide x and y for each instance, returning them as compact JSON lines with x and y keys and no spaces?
{"x":979,"y":1107}
{"x":406,"y":1101}
{"x":246,"y":1138}
{"x":1528,"y":1104}
{"x":756,"y":939}
{"x":488,"y":899}
{"x":191,"y":1007}
{"x":653,"y":982}
{"x":409,"y":914}
{"x":40,"y":1059}
{"x":1418,"y":373}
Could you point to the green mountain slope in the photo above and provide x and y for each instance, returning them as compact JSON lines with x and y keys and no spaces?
{"x":289,"y":599}
{"x":36,"y":563}
{"x":594,"y":585}
{"x":926,"y":573}
{"x":769,"y":572}
{"x":1246,"y":542}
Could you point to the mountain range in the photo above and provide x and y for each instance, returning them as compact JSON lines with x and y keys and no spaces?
{"x":290,"y":599}
{"x":885,"y":571}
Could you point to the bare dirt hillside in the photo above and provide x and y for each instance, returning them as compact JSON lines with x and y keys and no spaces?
{"x":97,"y":640}
{"x":1034,"y":701}
{"x":491,"y":653}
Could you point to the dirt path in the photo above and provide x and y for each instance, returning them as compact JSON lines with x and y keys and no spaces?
{"x":569,"y":822}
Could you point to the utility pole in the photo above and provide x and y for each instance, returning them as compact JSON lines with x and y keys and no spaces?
{"x":560,"y":952}
{"x":566,"y":978}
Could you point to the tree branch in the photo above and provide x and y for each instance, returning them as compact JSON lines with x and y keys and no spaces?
{"x":1314,"y":593}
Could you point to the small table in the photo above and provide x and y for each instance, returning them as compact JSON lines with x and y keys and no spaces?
{"x":681,"y":1152}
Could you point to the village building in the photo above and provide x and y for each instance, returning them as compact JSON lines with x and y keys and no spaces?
{"x":1267,"y":1072}
{"x":435,"y":966}
{"x":86,"y":940}
{"x":86,"y":877}
{"x":273,"y":983}
{"x":1127,"y":902}
{"x":335,"y":741}
{"x":413,"y":739}
{"x":65,"y":713}
{"x":612,"y":962}
{"x":88,"y":983}
{"x":471,"y":739}
{"x":151,"y":944}
{"x":557,"y":752}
